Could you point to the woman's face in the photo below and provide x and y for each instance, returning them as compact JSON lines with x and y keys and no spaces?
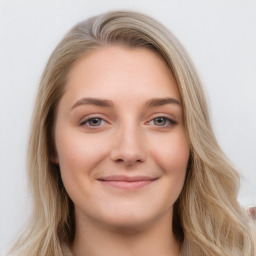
{"x":120,"y":139}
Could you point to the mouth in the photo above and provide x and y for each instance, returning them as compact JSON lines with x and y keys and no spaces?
{"x":126,"y":182}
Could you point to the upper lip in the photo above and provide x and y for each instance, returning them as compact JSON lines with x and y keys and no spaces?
{"x":126,"y":178}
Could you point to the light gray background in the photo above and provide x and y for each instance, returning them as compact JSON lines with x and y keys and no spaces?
{"x":220,"y":36}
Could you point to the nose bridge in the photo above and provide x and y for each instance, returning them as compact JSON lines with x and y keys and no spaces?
{"x":129,"y":145}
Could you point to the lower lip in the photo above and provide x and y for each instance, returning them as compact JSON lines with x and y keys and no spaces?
{"x":126,"y":185}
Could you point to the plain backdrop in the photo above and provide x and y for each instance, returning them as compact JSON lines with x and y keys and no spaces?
{"x":220,"y":36}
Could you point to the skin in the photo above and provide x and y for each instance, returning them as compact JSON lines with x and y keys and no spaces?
{"x":128,"y":137}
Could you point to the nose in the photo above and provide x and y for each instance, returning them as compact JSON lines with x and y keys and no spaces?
{"x":128,"y":147}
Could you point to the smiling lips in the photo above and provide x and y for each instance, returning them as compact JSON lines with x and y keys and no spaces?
{"x":126,"y":182}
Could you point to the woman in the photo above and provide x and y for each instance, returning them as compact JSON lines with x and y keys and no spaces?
{"x":122,"y":156}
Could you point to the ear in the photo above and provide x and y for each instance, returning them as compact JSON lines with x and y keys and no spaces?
{"x":54,"y":158}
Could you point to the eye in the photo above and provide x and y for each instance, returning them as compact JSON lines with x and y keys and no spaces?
{"x":93,"y":122}
{"x":162,"y":121}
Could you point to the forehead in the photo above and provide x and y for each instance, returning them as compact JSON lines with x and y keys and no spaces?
{"x":112,"y":70}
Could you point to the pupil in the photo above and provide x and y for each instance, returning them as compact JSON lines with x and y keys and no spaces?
{"x":95,"y":121}
{"x":160,"y":121}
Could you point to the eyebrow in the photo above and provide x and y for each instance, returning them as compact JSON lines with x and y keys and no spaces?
{"x":107,"y":103}
{"x":93,"y":101}
{"x":162,"y":101}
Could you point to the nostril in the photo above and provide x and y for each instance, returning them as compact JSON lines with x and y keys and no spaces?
{"x":128,"y":151}
{"x":128,"y":162}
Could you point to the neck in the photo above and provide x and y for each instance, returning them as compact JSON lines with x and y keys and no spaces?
{"x":94,"y":240}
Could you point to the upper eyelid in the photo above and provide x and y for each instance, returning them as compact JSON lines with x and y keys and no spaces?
{"x":89,"y":116}
{"x":106,"y":119}
{"x":165,"y":115}
{"x":171,"y":120}
{"x":95,"y":126}
{"x":86,"y":119}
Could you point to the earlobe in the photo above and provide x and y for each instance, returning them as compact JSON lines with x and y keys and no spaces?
{"x":54,"y":158}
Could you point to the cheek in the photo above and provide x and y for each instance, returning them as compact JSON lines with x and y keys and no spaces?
{"x":172,"y":154}
{"x":77,"y":150}
{"x":78,"y":156}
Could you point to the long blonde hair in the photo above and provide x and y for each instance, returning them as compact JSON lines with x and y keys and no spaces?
{"x":208,"y":218}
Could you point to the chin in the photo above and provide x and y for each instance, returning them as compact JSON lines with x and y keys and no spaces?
{"x":131,"y":222}
{"x":128,"y":226}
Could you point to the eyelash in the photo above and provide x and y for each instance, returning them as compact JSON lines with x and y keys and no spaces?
{"x":167,"y":122}
{"x":91,"y":119}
